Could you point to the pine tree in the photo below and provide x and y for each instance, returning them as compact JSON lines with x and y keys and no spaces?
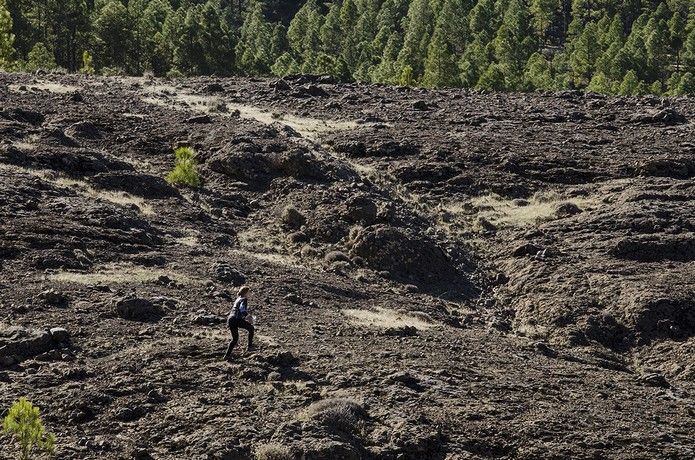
{"x":689,"y":49}
{"x":538,"y":73}
{"x":585,"y":51}
{"x":312,"y":58}
{"x":492,"y":79}
{"x":685,"y":85}
{"x":87,"y":63}
{"x":331,"y":35}
{"x":441,"y":67}
{"x":278,"y":43}
{"x":657,"y":48}
{"x":171,"y":39}
{"x":67,"y":23}
{"x":630,"y":85}
{"x":149,"y":32}
{"x":113,"y":33}
{"x":417,"y":37}
{"x":474,"y":61}
{"x":677,"y":33}
{"x":483,"y":21}
{"x":601,"y":84}
{"x":299,"y":27}
{"x":513,"y":44}
{"x":612,"y":42}
{"x":40,"y":57}
{"x":386,"y":71}
{"x":543,"y":12}
{"x":6,"y":36}
{"x":285,"y":65}
{"x":253,"y":51}
{"x":348,"y":21}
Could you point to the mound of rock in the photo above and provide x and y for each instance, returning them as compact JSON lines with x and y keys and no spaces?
{"x":84,"y":130}
{"x":251,"y":164}
{"x":360,"y":209}
{"x":648,"y":248}
{"x":406,"y":257}
{"x":137,"y":309}
{"x":18,"y":343}
{"x":143,"y":185}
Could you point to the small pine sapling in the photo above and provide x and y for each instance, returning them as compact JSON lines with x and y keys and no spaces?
{"x":23,"y":421}
{"x":185,"y":170}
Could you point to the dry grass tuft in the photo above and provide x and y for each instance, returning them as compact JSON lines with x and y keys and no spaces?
{"x":341,"y":414}
{"x":273,"y":451}
{"x":385,"y":318}
{"x":500,"y":212}
{"x":122,"y":274}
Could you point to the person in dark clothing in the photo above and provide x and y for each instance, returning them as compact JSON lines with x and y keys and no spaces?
{"x":238,"y":318}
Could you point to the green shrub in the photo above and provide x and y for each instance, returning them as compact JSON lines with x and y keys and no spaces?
{"x":185,"y":170}
{"x":87,"y":64}
{"x":24,"y":423}
{"x":273,"y":451}
{"x":175,"y":73}
{"x":112,"y":71}
{"x":40,"y":57}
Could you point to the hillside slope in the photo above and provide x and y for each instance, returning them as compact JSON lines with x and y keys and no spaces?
{"x":436,"y":274}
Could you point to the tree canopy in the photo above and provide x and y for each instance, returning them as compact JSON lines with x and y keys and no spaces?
{"x":607,"y":46}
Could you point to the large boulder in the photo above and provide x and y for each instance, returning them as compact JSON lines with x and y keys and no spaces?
{"x":18,"y":343}
{"x":143,"y":185}
{"x":407,"y":257}
{"x":137,"y":309}
{"x":361,"y":210}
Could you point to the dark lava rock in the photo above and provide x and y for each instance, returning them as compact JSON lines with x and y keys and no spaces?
{"x":59,"y":334}
{"x":361,"y":210}
{"x":567,"y":210}
{"x":379,"y":148}
{"x":336,"y":256}
{"x":526,"y":249}
{"x":666,"y":167}
{"x":22,"y":116}
{"x":280,"y":85}
{"x":404,"y":331}
{"x":654,"y":380}
{"x":208,"y":320}
{"x":53,"y":298}
{"x":421,"y":105}
{"x":84,"y":130}
{"x":224,"y":272}
{"x":666,"y":117}
{"x":407,"y":257}
{"x":199,"y":119}
{"x":143,"y":185}
{"x":137,"y":309}
{"x":312,"y":90}
{"x":292,"y":218}
{"x":18,"y":342}
{"x":649,"y":248}
{"x":213,"y":88}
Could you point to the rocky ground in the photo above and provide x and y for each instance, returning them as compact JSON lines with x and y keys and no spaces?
{"x":435,"y":274}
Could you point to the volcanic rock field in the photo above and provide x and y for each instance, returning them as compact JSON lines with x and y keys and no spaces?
{"x":435,"y":274}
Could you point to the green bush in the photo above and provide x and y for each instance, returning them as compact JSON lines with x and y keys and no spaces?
{"x":185,"y":170}
{"x":40,"y":57}
{"x":24,"y":423}
{"x":87,"y":63}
